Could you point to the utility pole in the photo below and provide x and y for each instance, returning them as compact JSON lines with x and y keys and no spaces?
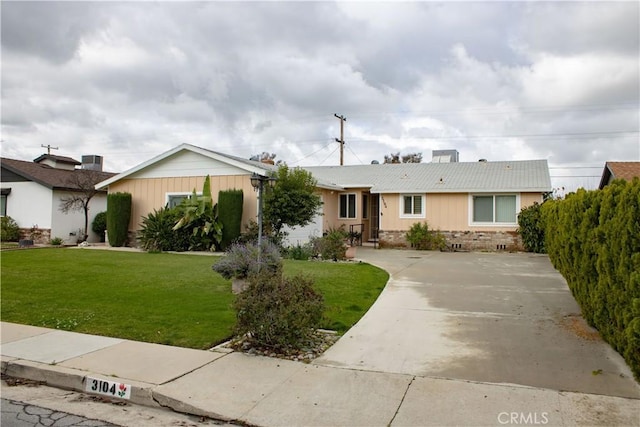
{"x":341,"y":140}
{"x":49,"y":148}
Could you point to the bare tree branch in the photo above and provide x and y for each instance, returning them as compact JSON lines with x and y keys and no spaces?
{"x":82,"y":183}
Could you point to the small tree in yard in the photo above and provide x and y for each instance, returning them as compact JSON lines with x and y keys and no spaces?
{"x":292,"y":201}
{"x":84,"y":181}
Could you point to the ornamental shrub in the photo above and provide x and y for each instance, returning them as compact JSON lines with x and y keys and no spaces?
{"x":421,"y":238}
{"x":593,"y":239}
{"x":531,"y":228}
{"x":118,"y":217}
{"x":157,"y":233}
{"x":331,"y":246}
{"x":9,"y":231}
{"x":279,"y":312}
{"x":244,"y":260}
{"x":230,"y":215}
{"x":99,"y":225}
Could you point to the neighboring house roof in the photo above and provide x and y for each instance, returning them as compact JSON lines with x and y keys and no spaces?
{"x":251,"y":166}
{"x":46,"y":175}
{"x":59,"y":159}
{"x":456,"y":177}
{"x":619,"y":170}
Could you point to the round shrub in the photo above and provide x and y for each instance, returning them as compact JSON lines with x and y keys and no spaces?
{"x":244,"y":260}
{"x":99,"y":225}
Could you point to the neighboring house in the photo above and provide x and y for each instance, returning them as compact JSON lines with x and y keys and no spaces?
{"x":619,"y":170}
{"x":31,"y":193}
{"x":474,"y":204}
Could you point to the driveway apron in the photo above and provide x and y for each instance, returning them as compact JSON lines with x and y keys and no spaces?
{"x":487,"y":317}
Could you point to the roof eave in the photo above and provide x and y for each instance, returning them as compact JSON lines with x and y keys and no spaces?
{"x":188,"y":147}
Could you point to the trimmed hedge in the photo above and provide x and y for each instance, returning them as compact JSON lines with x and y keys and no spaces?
{"x":593,"y":240}
{"x":230,"y":215}
{"x":118,"y":217}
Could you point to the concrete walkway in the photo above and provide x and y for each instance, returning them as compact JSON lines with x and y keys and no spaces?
{"x":387,"y":370}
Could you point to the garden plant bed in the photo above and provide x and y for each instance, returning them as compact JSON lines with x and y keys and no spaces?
{"x":314,"y":348}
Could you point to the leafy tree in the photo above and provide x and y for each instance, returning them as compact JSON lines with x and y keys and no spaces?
{"x":84,"y":182}
{"x":407,"y":158}
{"x":292,"y":201}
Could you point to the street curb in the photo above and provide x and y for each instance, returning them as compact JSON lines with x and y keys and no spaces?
{"x":74,"y":379}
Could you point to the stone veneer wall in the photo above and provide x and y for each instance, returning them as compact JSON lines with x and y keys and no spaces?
{"x":41,"y":237}
{"x":462,"y":240}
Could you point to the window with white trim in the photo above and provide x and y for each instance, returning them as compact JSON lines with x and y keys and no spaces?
{"x":412,"y":206}
{"x":348,"y":205}
{"x":3,"y":205}
{"x":175,"y":199}
{"x":494,"y":209}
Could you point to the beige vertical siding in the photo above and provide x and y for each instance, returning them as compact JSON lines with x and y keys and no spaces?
{"x":447,"y":212}
{"x":151,"y":193}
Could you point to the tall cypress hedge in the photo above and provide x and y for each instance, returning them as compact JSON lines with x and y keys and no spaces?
{"x":118,"y":217}
{"x":593,"y":239}
{"x":230,"y":215}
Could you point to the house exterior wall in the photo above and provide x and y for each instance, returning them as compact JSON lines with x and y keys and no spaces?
{"x":69,"y":226}
{"x":450,"y":214}
{"x":30,"y":204}
{"x":148,"y":194}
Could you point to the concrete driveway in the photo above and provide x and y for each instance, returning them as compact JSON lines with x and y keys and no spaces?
{"x":486,"y":317}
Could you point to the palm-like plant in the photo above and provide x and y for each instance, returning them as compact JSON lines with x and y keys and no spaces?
{"x":201,"y":215}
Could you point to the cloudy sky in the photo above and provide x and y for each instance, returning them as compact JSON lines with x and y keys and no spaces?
{"x":495,"y":80}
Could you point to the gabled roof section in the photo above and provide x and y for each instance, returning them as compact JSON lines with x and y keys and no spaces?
{"x":619,"y":170}
{"x":457,"y":177}
{"x":59,"y":159}
{"x":250,"y":166}
{"x":46,"y":175}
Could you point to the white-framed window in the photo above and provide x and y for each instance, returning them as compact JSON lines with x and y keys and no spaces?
{"x":494,"y":209}
{"x":348,"y":205}
{"x":412,"y":206}
{"x":175,"y":199}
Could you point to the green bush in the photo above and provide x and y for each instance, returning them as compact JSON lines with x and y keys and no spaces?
{"x":56,"y":241}
{"x":99,"y":225}
{"x":157,"y":233}
{"x":244,"y":260}
{"x":279,"y":312}
{"x":531,"y":228}
{"x":421,"y":238}
{"x":230,"y":215}
{"x":118,"y":217}
{"x":10,"y":232}
{"x":593,"y":239}
{"x":332,"y":245}
{"x":300,"y":252}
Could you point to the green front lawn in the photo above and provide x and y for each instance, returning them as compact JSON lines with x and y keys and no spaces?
{"x":173,"y":299}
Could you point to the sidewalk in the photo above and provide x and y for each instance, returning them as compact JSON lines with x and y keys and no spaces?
{"x":272,"y":392}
